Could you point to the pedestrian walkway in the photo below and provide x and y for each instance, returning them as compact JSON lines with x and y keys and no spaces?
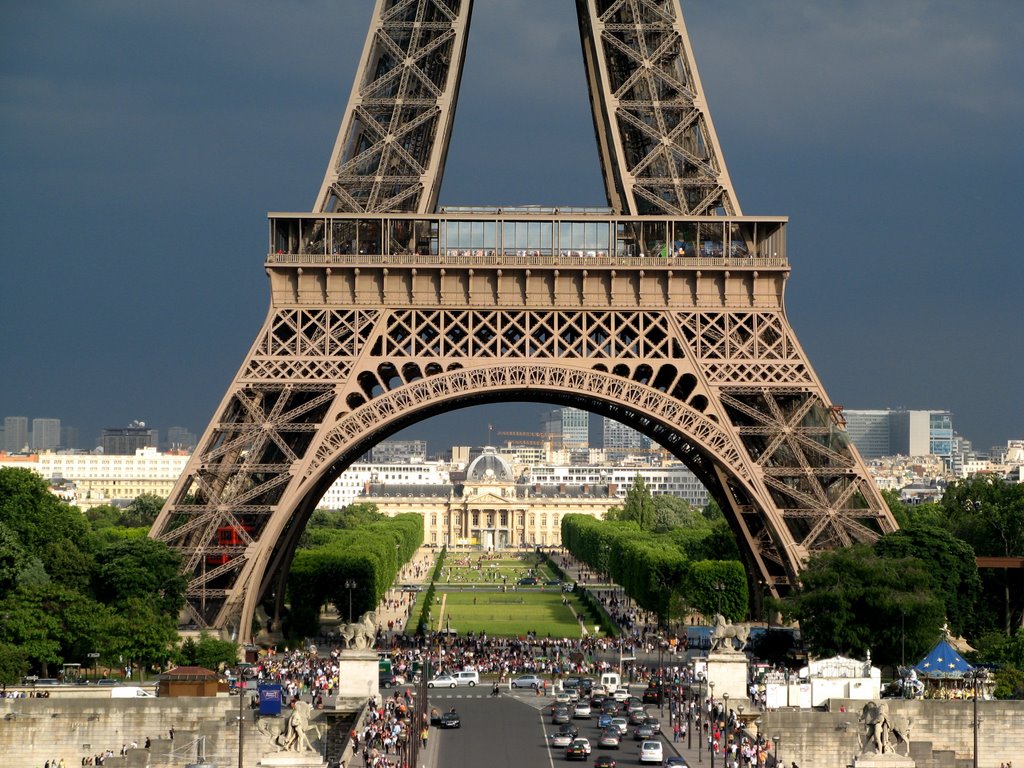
{"x":396,"y":605}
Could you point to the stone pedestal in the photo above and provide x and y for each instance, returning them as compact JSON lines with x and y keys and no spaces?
{"x":888,"y":760}
{"x":358,"y":679}
{"x":293,"y":760}
{"x":728,"y":671}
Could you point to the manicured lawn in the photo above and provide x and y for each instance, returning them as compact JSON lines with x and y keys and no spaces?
{"x":513,"y":613}
{"x":510,"y":614}
{"x":471,"y":569}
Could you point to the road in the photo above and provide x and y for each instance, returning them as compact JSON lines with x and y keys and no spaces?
{"x":510,"y":731}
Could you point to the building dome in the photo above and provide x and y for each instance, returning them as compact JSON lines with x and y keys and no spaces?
{"x":489,"y":467}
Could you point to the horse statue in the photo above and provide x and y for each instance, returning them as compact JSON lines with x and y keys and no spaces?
{"x":362,"y":634}
{"x":723,"y":635}
{"x":899,"y":730}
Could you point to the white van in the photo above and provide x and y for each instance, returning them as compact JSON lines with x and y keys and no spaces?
{"x":130,"y":692}
{"x":611,"y":681}
{"x":467,"y":677}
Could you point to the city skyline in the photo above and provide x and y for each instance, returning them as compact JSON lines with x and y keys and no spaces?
{"x":137,"y":178}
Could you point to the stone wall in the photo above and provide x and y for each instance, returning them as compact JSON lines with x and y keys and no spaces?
{"x":941,"y":735}
{"x":35,"y":730}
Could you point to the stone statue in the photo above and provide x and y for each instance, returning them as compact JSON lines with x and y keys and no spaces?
{"x":899,"y":729}
{"x":875,"y":736}
{"x":362,"y":634}
{"x":723,"y":635}
{"x":294,"y":738}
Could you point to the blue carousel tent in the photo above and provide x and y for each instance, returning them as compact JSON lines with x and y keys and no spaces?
{"x":943,"y":662}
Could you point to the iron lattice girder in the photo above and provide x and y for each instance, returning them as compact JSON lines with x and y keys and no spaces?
{"x":390,"y":151}
{"x":658,"y":144}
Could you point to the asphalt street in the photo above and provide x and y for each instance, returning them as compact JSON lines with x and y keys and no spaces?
{"x":511,"y":730}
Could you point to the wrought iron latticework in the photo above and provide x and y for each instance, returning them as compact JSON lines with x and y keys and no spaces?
{"x":659,"y":150}
{"x":666,"y":314}
{"x":390,"y":152}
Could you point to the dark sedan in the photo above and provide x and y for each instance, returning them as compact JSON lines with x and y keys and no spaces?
{"x":450,"y":720}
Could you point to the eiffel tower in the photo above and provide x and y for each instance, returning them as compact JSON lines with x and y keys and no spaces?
{"x":664,"y":311}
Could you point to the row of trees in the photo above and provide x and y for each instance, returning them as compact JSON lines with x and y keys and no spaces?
{"x":72,"y":585}
{"x":356,"y":545}
{"x":666,"y":555}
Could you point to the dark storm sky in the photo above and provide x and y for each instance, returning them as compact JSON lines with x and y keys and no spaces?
{"x":142,"y":143}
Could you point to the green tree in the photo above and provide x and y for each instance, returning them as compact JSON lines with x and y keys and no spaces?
{"x":953,"y":575}
{"x":13,"y":560}
{"x":144,"y":568}
{"x":44,"y":525}
{"x":142,"y":512}
{"x":209,"y":652}
{"x":671,"y":512}
{"x":52,"y":624}
{"x":14,"y":664}
{"x":639,"y":505}
{"x":988,"y":513}
{"x":140,"y":634}
{"x":851,"y":601}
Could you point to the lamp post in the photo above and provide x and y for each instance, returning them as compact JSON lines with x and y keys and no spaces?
{"x":777,"y":739}
{"x":350,"y":584}
{"x":689,"y":719}
{"x":739,"y":722}
{"x":698,"y":725}
{"x":719,"y":587}
{"x":725,"y":733}
{"x":661,"y":677}
{"x":976,"y":677}
{"x":711,"y":723}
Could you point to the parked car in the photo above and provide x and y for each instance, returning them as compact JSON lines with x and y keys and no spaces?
{"x":527,"y":681}
{"x":651,"y":752}
{"x":451,"y":720}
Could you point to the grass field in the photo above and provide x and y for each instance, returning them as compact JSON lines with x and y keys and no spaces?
{"x":510,"y":614}
{"x":501,"y":614}
{"x":470,"y":569}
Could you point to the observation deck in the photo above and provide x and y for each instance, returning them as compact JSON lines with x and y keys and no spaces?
{"x":526,"y":256}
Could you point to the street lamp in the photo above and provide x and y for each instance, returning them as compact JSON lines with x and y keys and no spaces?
{"x":699,"y":724}
{"x":739,"y":722}
{"x":777,"y":739}
{"x":976,"y":677}
{"x":725,"y":734}
{"x":689,"y":719}
{"x":712,"y":723}
{"x":719,"y":587}
{"x":350,"y":584}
